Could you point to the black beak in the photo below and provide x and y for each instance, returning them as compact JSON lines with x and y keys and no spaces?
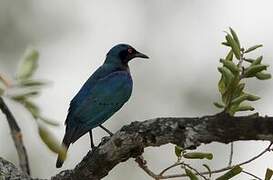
{"x":140,"y":55}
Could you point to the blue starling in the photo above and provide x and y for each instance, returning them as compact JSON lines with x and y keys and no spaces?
{"x":103,"y":94}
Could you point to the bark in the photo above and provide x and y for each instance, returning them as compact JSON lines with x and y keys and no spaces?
{"x":189,"y":133}
{"x":8,"y":171}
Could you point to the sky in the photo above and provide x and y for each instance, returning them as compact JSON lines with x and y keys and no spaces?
{"x":183,"y":40}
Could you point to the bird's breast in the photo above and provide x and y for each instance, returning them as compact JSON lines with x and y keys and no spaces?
{"x":125,"y":80}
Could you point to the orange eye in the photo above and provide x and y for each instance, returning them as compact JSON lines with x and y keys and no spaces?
{"x":130,"y":50}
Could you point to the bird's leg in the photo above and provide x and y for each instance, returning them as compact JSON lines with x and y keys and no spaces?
{"x":91,"y":139}
{"x":104,"y":128}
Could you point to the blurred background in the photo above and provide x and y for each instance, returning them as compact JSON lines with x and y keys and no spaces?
{"x":183,"y":40}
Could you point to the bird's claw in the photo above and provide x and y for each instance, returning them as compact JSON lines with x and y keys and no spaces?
{"x":105,"y":139}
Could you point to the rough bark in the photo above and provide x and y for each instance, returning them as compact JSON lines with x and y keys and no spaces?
{"x":130,"y":141}
{"x":8,"y":171}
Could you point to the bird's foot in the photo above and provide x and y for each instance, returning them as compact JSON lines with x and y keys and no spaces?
{"x":105,"y":139}
{"x":93,"y":148}
{"x":106,"y":130}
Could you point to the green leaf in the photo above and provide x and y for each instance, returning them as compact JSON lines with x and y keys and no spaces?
{"x":28,"y":65}
{"x":229,"y":57}
{"x":2,"y":85}
{"x":51,"y":142}
{"x":30,"y":106}
{"x":227,"y":75}
{"x":262,"y":76}
{"x":190,"y":174}
{"x":244,"y":97}
{"x":239,"y":99}
{"x":225,"y":97}
{"x":178,"y":151}
{"x":221,"y":85}
{"x":231,"y":173}
{"x":253,"y":48}
{"x":235,"y":47}
{"x":251,"y":97}
{"x":244,"y":108}
{"x":225,"y":44}
{"x":239,"y":90}
{"x":49,"y":121}
{"x":198,"y":155}
{"x":249,"y":60}
{"x":235,"y":37}
{"x":33,"y":108}
{"x":253,"y":70}
{"x":19,"y":99}
{"x":232,"y":110}
{"x":208,"y":168}
{"x":218,"y":105}
{"x":25,"y":95}
{"x":257,"y":61}
{"x":1,"y":91}
{"x":268,"y":174}
{"x":29,"y":82}
{"x":230,"y":65}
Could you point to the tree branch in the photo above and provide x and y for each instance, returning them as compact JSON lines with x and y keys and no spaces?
{"x":16,"y":136}
{"x":9,"y":171}
{"x":189,"y":133}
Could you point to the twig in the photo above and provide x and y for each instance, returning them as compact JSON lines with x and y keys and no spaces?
{"x":196,"y":171}
{"x":16,"y":136}
{"x":223,"y":169}
{"x":169,"y":167}
{"x":256,"y":157}
{"x":231,"y":154}
{"x":250,"y":174}
{"x":143,"y":165}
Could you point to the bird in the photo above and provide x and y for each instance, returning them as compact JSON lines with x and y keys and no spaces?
{"x":103,"y":94}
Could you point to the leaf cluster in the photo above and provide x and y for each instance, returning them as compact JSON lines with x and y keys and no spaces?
{"x":235,"y":70}
{"x":23,"y":89}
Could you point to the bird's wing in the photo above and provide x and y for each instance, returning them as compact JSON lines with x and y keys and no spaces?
{"x":87,"y":88}
{"x":106,"y":97}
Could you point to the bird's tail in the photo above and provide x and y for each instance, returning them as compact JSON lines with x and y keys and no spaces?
{"x":66,"y":142}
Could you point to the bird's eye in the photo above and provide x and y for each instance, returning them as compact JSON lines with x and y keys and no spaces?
{"x":130,"y":50}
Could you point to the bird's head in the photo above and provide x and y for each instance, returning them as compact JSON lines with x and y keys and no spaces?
{"x":123,"y":53}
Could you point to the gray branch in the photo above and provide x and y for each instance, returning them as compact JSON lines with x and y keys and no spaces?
{"x":16,"y":136}
{"x":189,"y":133}
{"x":8,"y":171}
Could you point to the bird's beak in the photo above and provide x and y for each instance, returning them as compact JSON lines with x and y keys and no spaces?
{"x":141,"y":55}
